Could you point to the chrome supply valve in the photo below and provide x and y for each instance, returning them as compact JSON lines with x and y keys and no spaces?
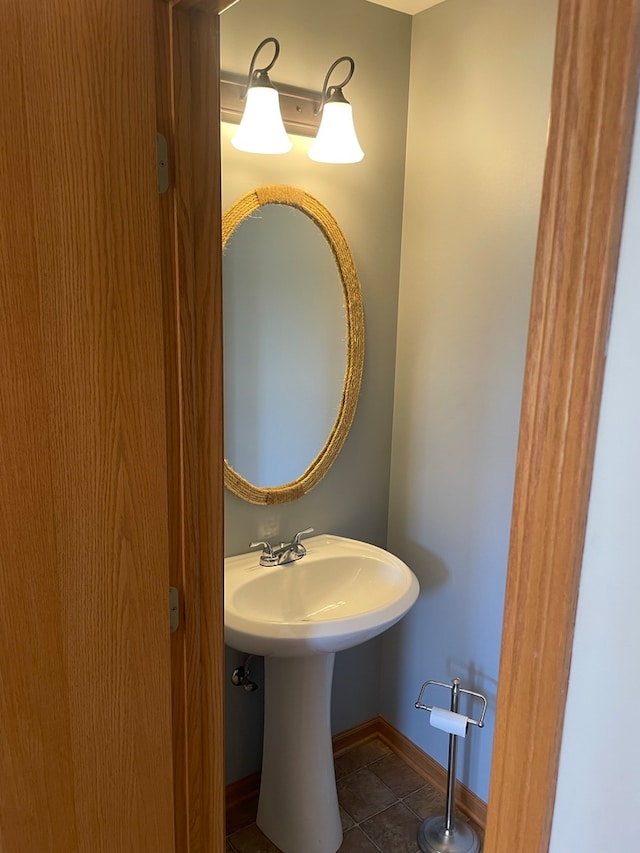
{"x":241,"y":677}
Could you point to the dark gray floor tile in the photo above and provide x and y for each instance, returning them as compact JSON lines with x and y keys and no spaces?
{"x":397,"y":775}
{"x":359,"y":756}
{"x":346,"y":820}
{"x":252,"y":840}
{"x":355,"y":841}
{"x":362,"y":794}
{"x":395,"y":829}
{"x":426,"y":801}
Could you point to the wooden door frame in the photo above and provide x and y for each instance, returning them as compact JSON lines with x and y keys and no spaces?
{"x":187,"y":93}
{"x":592,"y":116}
{"x":593,"y":108}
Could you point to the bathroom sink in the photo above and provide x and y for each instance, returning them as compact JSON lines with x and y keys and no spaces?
{"x":297,"y":615}
{"x":341,"y":593}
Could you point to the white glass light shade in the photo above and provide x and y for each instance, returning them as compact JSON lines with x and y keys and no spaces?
{"x":336,"y":141}
{"x":261,"y":130}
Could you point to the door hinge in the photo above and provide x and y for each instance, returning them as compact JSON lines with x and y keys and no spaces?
{"x":162,"y":163}
{"x":174,"y":609}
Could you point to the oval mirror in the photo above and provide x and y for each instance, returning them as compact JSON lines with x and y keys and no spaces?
{"x":293,"y":343}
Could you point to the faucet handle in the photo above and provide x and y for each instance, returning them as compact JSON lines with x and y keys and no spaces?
{"x":268,"y":549}
{"x":267,"y":558}
{"x":296,"y":539}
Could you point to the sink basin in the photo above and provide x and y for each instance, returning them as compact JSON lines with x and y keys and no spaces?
{"x":340,"y":594}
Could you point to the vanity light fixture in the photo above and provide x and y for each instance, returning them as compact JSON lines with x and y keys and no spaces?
{"x":266,"y":113}
{"x":336,"y":141}
{"x":261,"y":130}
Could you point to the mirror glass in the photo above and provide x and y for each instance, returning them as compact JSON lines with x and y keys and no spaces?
{"x":285,"y":344}
{"x":291,"y":303}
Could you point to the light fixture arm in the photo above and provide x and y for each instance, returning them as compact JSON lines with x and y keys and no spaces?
{"x":334,"y":93}
{"x":260,"y":76}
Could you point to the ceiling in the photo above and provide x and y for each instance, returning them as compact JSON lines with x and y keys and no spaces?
{"x":411,"y":7}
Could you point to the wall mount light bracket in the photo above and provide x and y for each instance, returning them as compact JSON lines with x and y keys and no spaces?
{"x":298,"y":106}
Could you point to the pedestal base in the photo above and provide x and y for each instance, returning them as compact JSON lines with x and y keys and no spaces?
{"x":434,"y":838}
{"x":298,"y":805}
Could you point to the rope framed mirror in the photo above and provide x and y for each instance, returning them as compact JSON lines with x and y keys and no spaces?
{"x":272,"y":325}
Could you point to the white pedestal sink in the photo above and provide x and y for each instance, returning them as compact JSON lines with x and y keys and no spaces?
{"x":298,"y":615}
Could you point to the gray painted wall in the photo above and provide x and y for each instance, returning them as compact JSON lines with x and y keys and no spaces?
{"x":366,"y":199}
{"x":478,"y":112}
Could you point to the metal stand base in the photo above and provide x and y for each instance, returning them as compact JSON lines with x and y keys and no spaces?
{"x":433,"y":837}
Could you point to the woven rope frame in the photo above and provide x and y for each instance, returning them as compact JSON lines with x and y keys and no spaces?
{"x":318,"y":213}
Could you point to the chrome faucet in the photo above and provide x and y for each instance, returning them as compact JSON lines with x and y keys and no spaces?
{"x":285,"y":552}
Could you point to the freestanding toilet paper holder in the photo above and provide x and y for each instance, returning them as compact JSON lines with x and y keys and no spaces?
{"x":446,"y":834}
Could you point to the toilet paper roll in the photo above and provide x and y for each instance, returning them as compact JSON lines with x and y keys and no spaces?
{"x":449,"y":721}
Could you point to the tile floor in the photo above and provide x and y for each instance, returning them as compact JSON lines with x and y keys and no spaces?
{"x":382,"y":800}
